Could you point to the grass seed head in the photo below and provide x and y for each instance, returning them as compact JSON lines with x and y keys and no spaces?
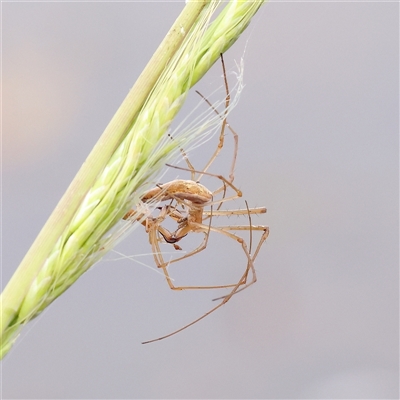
{"x":97,"y":226}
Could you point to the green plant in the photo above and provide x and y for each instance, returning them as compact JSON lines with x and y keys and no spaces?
{"x":132,"y":149}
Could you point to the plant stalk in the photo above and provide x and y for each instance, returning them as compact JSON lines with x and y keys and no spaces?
{"x":17,"y":287}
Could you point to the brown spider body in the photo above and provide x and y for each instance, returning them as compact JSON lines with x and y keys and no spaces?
{"x":180,"y":189}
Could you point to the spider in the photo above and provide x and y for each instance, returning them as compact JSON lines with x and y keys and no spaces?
{"x":187,"y":202}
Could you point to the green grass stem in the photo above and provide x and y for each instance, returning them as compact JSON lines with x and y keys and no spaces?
{"x":131,"y":150}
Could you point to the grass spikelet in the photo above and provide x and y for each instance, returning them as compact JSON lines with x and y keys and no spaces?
{"x":97,"y":224}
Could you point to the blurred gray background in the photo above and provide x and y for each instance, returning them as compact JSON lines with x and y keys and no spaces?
{"x":318,"y":126}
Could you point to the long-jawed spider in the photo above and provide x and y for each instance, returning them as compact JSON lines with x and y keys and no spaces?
{"x":186,"y":205}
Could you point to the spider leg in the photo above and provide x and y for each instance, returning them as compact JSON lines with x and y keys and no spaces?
{"x":234,"y":290}
{"x":225,"y":125}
